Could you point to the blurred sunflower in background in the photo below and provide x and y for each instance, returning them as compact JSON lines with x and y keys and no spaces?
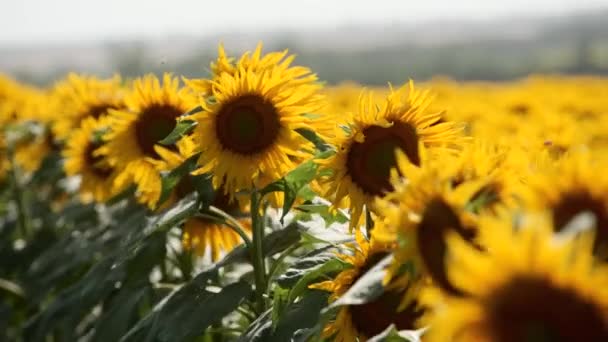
{"x":132,"y":142}
{"x":360,"y":169}
{"x":571,"y":186}
{"x":81,"y":96}
{"x":360,"y":322}
{"x":424,"y":205}
{"x":81,"y":158}
{"x":248,"y":128}
{"x":528,"y":285}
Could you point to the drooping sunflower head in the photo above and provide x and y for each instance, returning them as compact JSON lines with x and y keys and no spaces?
{"x":527,"y":286}
{"x":249,"y":126}
{"x":569,"y":187}
{"x":133,"y":139}
{"x":360,"y":322}
{"x":425,"y":205}
{"x":366,"y":149}
{"x":201,"y":233}
{"x":80,"y":96}
{"x":82,"y":159}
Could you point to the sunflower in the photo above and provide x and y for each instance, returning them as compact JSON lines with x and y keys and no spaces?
{"x":132,"y":141}
{"x":201,"y":234}
{"x":248,"y":128}
{"x":96,"y":175}
{"x":365,"y":149}
{"x":497,"y":171}
{"x":255,"y":62}
{"x":360,"y":322}
{"x":80,"y":96}
{"x":569,"y":187}
{"x":527,"y":286}
{"x":426,"y":203}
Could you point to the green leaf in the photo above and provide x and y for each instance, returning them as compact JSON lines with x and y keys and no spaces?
{"x":72,"y":304}
{"x":189,"y":310}
{"x":303,"y":264}
{"x":368,"y":287}
{"x":323,"y":210}
{"x":303,"y":314}
{"x":259,"y":330}
{"x":273,"y":243}
{"x":172,"y":179}
{"x":184,"y":209}
{"x":311,"y":136}
{"x":291,"y":184}
{"x":313,"y":274}
{"x":391,"y":334}
{"x":296,"y":318}
{"x":279,"y":303}
{"x":315,"y":232}
{"x":194,"y":110}
{"x":121,"y":310}
{"x":182,"y":128}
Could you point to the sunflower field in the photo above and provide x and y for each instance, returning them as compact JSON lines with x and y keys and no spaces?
{"x":260,"y":204}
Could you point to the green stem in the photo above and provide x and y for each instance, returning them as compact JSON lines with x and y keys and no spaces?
{"x":232,"y":223}
{"x":257,"y":253}
{"x":277,"y":263}
{"x":18,"y":195}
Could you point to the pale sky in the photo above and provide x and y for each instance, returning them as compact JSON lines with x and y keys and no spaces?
{"x":30,"y":21}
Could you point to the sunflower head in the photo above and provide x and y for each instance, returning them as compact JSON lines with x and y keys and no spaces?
{"x":359,"y":322}
{"x":248,"y":127}
{"x":256,"y":62}
{"x":80,"y":96}
{"x":424,"y":206}
{"x":366,"y":148}
{"x":201,"y":234}
{"x":527,"y":286}
{"x":81,"y":158}
{"x":132,"y":143}
{"x":569,"y":187}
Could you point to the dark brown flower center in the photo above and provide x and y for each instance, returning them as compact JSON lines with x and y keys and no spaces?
{"x":572,"y":204}
{"x":153,"y":125}
{"x":373,"y":317}
{"x":100,"y":109}
{"x":369,"y":162}
{"x":437,"y":219}
{"x":97,"y":164}
{"x":247,"y":125}
{"x":531,"y":309}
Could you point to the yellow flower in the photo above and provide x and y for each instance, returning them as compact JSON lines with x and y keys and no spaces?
{"x":96,"y":175}
{"x":201,"y":234}
{"x":255,"y":62}
{"x":527,"y":286}
{"x":360,"y":322}
{"x":78,"y":97}
{"x":247,"y":130}
{"x":426,"y":203}
{"x":572,"y":186}
{"x":365,"y":150}
{"x":132,"y":142}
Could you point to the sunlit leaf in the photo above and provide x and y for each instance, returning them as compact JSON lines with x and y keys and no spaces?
{"x":368,"y":287}
{"x":182,"y":128}
{"x":391,"y":334}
